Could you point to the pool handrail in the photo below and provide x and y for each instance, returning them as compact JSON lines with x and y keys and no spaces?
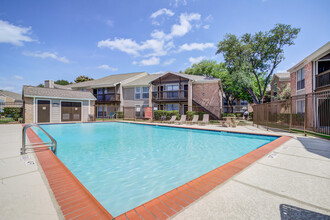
{"x":52,"y":143}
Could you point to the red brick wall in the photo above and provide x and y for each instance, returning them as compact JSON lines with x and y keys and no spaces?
{"x":208,"y":92}
{"x":308,"y":78}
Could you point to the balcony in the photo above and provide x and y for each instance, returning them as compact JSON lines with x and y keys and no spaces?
{"x":167,"y":96}
{"x":107,"y":98}
{"x":322,"y":80}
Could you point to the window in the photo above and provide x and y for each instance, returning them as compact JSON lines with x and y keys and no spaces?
{"x":100,"y":111}
{"x":83,"y":90}
{"x":141,"y":92}
{"x":301,"y":79}
{"x":172,"y":107}
{"x":137,"y":93}
{"x":172,"y":91}
{"x":145,"y":92}
{"x":301,"y":106}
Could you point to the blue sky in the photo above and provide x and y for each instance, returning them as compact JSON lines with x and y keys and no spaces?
{"x":63,"y":39}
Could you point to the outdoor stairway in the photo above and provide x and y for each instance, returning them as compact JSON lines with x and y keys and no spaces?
{"x":213,"y":111}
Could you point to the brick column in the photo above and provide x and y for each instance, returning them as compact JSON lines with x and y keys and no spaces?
{"x":190,"y":95}
{"x":150,"y":95}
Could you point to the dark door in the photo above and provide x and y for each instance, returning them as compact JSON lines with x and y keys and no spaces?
{"x":43,"y":111}
{"x":71,"y":111}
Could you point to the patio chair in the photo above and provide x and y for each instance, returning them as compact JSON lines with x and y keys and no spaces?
{"x":112,"y":115}
{"x":91,"y":117}
{"x":205,"y":119}
{"x":224,"y":123}
{"x":194,"y":120}
{"x":235,"y":123}
{"x":182,"y":120}
{"x":172,"y":120}
{"x":163,"y":118}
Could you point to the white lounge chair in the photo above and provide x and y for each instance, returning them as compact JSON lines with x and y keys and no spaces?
{"x":182,"y":120}
{"x":172,"y":120}
{"x":194,"y":120}
{"x":205,"y":119}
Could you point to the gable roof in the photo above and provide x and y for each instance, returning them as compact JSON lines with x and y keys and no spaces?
{"x":143,"y":81}
{"x":13,"y":95}
{"x":33,"y":91}
{"x":111,"y":80}
{"x":194,"y":78}
{"x":283,"y":76}
{"x":319,"y":53}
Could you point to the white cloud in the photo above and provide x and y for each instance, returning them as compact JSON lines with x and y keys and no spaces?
{"x":206,"y":26}
{"x":45,"y":55}
{"x":18,"y":77}
{"x":168,"y":62}
{"x":129,"y":46}
{"x":109,"y":23}
{"x":193,"y":60}
{"x":195,"y":46}
{"x":209,"y":18}
{"x":126,"y":45}
{"x":12,"y":34}
{"x":163,"y":11}
{"x":148,"y":62}
{"x":158,"y":34}
{"x":107,"y":67}
{"x":179,"y":30}
{"x":178,"y":2}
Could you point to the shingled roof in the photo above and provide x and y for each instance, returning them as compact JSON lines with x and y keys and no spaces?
{"x":107,"y":81}
{"x":32,"y":91}
{"x":13,"y":95}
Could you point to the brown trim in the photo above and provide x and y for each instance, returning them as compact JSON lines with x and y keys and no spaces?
{"x":76,"y":201}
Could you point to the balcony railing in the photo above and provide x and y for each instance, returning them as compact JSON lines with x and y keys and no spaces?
{"x":170,"y":95}
{"x":111,"y":97}
{"x":322,"y":79}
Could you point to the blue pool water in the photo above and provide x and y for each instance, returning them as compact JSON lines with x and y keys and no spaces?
{"x":125,"y":165}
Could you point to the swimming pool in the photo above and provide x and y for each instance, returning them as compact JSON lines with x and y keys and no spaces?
{"x":125,"y":165}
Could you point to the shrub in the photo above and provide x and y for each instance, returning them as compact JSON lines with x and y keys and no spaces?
{"x":228,"y":115}
{"x":190,"y":114}
{"x":159,"y":113}
{"x":13,"y":112}
{"x":119,"y":114}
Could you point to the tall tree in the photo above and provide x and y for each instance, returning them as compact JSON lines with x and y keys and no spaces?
{"x":252,"y":58}
{"x":82,"y":78}
{"x":62,"y":82}
{"x":229,"y":90}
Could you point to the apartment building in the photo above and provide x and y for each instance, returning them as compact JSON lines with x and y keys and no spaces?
{"x":310,"y":87}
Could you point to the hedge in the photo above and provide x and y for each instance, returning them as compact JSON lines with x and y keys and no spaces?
{"x":159,"y":113}
{"x":119,"y":114}
{"x":190,"y":115}
{"x":13,"y":112}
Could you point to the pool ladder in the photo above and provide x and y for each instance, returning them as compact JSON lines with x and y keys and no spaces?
{"x":52,"y":144}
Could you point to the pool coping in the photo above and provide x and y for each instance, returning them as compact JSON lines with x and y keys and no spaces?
{"x":69,"y":192}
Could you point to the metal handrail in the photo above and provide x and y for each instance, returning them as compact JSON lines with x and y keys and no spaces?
{"x":52,"y":143}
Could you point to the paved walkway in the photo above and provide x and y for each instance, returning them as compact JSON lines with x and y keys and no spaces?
{"x":23,"y":192}
{"x":292,"y":180}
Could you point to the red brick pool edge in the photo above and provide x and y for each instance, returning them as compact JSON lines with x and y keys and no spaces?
{"x":76,"y":202}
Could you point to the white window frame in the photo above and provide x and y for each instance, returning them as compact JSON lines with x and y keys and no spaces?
{"x":300,"y":79}
{"x":141,"y":92}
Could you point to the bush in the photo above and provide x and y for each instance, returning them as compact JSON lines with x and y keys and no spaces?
{"x":13,"y":112}
{"x":228,"y":115}
{"x":119,"y":114}
{"x":159,"y":113}
{"x":239,"y":114}
{"x":190,"y":114}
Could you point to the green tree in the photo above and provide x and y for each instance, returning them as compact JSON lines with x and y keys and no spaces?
{"x":82,"y":78}
{"x":252,"y":58}
{"x":229,"y":89}
{"x":41,"y":85}
{"x":62,"y":82}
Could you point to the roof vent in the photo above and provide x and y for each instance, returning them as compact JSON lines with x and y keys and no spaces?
{"x":49,"y":84}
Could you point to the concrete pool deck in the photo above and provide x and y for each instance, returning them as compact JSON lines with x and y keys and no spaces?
{"x":292,"y":179}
